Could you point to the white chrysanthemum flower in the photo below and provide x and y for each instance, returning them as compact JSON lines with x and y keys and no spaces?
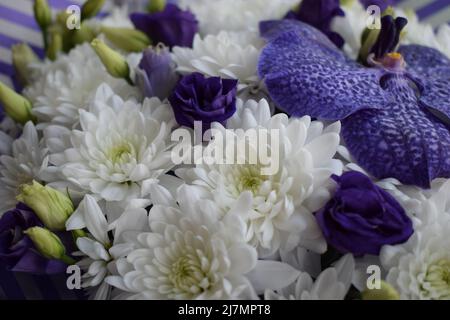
{"x":63,"y":87}
{"x":420,"y":268}
{"x":192,"y":252}
{"x":332,"y":284}
{"x":278,"y":207}
{"x":443,"y":38}
{"x":98,"y":257}
{"x":229,"y":55}
{"x":120,"y":150}
{"x":236,"y":15}
{"x":28,"y":161}
{"x":417,"y":32}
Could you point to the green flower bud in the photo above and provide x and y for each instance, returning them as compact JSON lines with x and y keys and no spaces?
{"x":347,"y":3}
{"x":51,"y":206}
{"x":126,"y":38}
{"x":22,"y":57}
{"x":84,"y":34}
{"x":16,"y":106}
{"x":48,"y":244}
{"x":156,"y":5}
{"x":386,"y":292}
{"x":55,"y":46}
{"x":368,"y":39}
{"x":61,"y":18}
{"x":91,"y":8}
{"x":42,"y":13}
{"x":114,"y":62}
{"x":78,"y":234}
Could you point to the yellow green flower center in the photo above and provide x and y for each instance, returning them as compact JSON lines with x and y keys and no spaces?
{"x":186,"y":275}
{"x":121,"y":152}
{"x":438,"y":277}
{"x":250,"y":179}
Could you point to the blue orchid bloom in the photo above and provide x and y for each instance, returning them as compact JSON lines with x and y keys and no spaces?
{"x":395,"y":111}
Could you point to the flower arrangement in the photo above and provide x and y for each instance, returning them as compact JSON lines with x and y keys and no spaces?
{"x":336,"y":162}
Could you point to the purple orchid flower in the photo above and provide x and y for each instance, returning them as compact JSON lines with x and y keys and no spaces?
{"x":320,"y":13}
{"x":395,"y":115}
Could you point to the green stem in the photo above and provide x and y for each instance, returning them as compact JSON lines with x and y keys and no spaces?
{"x":65,"y":258}
{"x":44,"y":36}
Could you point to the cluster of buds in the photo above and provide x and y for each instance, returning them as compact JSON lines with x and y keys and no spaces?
{"x":53,"y":209}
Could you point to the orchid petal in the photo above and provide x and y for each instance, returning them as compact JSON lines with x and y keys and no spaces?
{"x":304,"y":77}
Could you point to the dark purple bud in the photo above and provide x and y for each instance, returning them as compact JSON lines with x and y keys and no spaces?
{"x":389,"y":36}
{"x":172,"y":26}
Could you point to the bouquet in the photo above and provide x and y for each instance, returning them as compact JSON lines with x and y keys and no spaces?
{"x":230,"y":149}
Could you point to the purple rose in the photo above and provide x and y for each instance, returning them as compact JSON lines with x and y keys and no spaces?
{"x":156,"y":73}
{"x":320,"y":14}
{"x":197,"y":98}
{"x":172,"y":26}
{"x":361,"y":217}
{"x":17,"y":251}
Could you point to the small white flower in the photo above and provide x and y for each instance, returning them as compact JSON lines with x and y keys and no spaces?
{"x":63,"y":87}
{"x":28,"y":161}
{"x":332,"y":284}
{"x":236,"y":15}
{"x":121,"y":149}
{"x":229,"y":55}
{"x":194,"y":253}
{"x":420,"y":268}
{"x":278,"y":208}
{"x":98,"y":257}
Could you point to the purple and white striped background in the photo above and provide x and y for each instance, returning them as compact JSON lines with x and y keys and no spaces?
{"x":17,"y":25}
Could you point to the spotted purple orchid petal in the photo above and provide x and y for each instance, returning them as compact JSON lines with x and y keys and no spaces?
{"x":271,"y":29}
{"x":305,"y":76}
{"x":392,"y":117}
{"x":423,"y":60}
{"x":403,"y":140}
{"x":434,"y":89}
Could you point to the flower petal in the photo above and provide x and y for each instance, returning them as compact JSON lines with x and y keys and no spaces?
{"x":272,"y":275}
{"x":402,"y":141}
{"x":304,"y":77}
